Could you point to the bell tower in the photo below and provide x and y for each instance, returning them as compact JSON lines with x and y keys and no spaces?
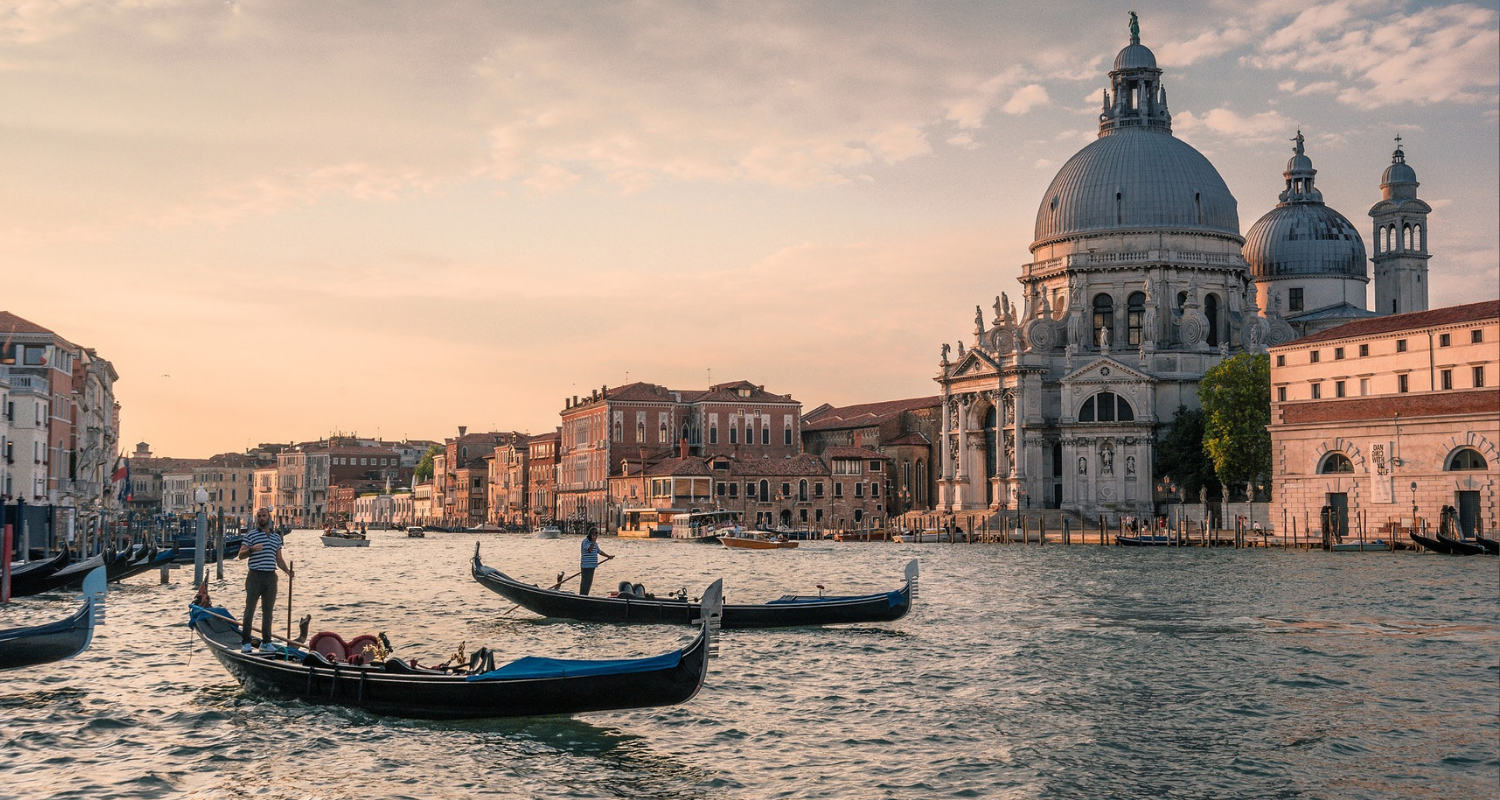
{"x":1401,"y":255}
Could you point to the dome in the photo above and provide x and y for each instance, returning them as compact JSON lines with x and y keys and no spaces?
{"x":1399,"y":172}
{"x":1304,"y":239}
{"x":1135,"y":56}
{"x":1136,"y":178}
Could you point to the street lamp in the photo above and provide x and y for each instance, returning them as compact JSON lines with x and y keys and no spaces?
{"x":200,"y":536}
{"x":1413,"y":505}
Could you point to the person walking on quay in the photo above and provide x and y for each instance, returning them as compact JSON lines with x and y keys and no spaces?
{"x":263,"y":547}
{"x":590,"y":561}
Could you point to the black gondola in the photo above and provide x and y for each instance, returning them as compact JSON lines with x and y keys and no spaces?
{"x":128,"y":561}
{"x":156,"y":560}
{"x":527,"y":687}
{"x":22,"y":578}
{"x":787,"y":611}
{"x":71,"y":575}
{"x":1460,"y":547}
{"x":1146,"y":540}
{"x":186,"y":545}
{"x":56,"y":641}
{"x":1490,"y":545}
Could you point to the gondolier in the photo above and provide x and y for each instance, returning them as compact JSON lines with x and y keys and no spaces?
{"x":263,"y":547}
{"x":589,"y":561}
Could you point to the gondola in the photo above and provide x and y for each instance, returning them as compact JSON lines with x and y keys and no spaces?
{"x":186,"y":545}
{"x":1146,"y":540}
{"x":157,"y":559}
{"x":1460,"y":547}
{"x":56,"y":641}
{"x":1490,"y":545}
{"x":786,"y":611}
{"x":130,"y":559}
{"x":527,"y":687}
{"x":70,"y":575}
{"x":25,"y":576}
{"x":1429,"y":543}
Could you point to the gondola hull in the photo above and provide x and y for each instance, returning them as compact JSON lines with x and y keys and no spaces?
{"x":665,"y":680}
{"x":790,"y":611}
{"x":71,"y":575}
{"x":1461,"y":548}
{"x":1146,"y":540}
{"x":25,"y":578}
{"x":56,"y":641}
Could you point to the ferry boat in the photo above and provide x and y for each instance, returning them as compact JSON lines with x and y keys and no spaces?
{"x":705,"y":526}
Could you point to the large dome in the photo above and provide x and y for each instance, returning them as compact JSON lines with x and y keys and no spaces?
{"x":1304,"y":239}
{"x":1136,"y":178}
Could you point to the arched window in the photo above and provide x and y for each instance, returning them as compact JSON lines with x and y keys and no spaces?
{"x":1211,"y":310}
{"x":1198,"y":206}
{"x":1119,"y":209}
{"x":1417,"y":242}
{"x":640,"y":431}
{"x":1406,"y":237}
{"x":1106,"y":407}
{"x":802,"y":491}
{"x":1135,"y":313}
{"x":1467,"y":458}
{"x":1335,"y":463}
{"x":663,"y":433}
{"x":920,"y":493}
{"x":1104,"y":316}
{"x":765,"y":490}
{"x":734,"y":434}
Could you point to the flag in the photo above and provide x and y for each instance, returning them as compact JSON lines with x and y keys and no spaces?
{"x":122,"y":477}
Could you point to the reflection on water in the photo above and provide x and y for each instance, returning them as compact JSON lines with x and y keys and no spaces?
{"x":1029,"y":672}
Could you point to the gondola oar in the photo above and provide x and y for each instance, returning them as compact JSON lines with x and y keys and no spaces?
{"x":299,"y":641}
{"x":291,"y":573}
{"x":555,"y":586}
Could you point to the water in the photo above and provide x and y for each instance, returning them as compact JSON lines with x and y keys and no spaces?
{"x":1024,"y":672}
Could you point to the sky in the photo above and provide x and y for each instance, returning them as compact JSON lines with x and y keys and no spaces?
{"x":281,"y":220}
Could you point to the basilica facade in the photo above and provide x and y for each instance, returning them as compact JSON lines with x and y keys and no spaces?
{"x":1139,"y":283}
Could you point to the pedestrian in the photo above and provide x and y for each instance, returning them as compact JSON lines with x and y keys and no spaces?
{"x":590,"y":561}
{"x":262,"y":546}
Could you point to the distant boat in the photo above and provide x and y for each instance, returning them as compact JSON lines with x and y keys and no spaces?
{"x":704,"y":526}
{"x":1146,"y":540}
{"x":416,"y":532}
{"x":752,"y":540}
{"x":932,"y":535}
{"x":486,"y":527}
{"x":1354,"y":547}
{"x":548,"y":532}
{"x":337,"y":538}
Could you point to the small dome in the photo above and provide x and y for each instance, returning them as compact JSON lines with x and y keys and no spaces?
{"x":1135,"y":56}
{"x":1136,"y":178}
{"x":1305,"y":239}
{"x":1399,"y":172}
{"x":1299,"y":163}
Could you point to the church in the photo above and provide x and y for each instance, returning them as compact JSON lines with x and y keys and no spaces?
{"x":1140,"y":282}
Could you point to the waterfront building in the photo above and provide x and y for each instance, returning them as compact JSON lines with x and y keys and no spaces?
{"x":904,"y":431}
{"x":265,"y":492}
{"x":542,"y":453}
{"x":460,"y":476}
{"x":644,"y":423}
{"x":507,"y":470}
{"x":1388,"y":420}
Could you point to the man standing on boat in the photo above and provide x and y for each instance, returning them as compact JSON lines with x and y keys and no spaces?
{"x":590,"y":561}
{"x":263,"y":547}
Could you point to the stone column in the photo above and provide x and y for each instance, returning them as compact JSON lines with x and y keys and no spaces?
{"x":943,"y":448}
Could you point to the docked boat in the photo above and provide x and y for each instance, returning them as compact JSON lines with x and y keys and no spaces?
{"x":1429,"y":543}
{"x":930,"y":535}
{"x":57,"y":641}
{"x":1146,"y":540}
{"x":705,"y":526}
{"x":786,"y":611}
{"x":28,"y":574}
{"x":416,"y":532}
{"x":186,"y":545}
{"x":71,"y":575}
{"x":1356,"y":547}
{"x":337,"y":538}
{"x":486,"y":527}
{"x":527,"y":687}
{"x":756,"y":540}
{"x":1490,"y":545}
{"x":1461,"y":547}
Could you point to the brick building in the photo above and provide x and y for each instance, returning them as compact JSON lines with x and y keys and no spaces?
{"x":541,"y":478}
{"x":903,"y":431}
{"x":1389,"y":419}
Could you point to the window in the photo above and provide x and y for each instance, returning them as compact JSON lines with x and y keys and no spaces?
{"x":1338,"y":354}
{"x":874,"y":490}
{"x":734,"y":490}
{"x":1281,"y":361}
{"x":787,"y":435}
{"x":1134,"y":317}
{"x":818,"y":489}
{"x":662,"y":434}
{"x":1478,"y":377}
{"x":1106,"y":407}
{"x":1476,"y":336}
{"x":1445,"y":339}
{"x":734,"y":434}
{"x":713,"y":435}
{"x":1364,"y":350}
{"x":1317,"y":391}
{"x":1338,"y":388}
{"x":749,"y":490}
{"x":1467,"y":458}
{"x":1401,"y":345}
{"x":786,"y":490}
{"x":838,"y":489}
{"x":1334,"y":463}
{"x":1401,"y":384}
{"x":1104,"y":316}
{"x":1445,"y":378}
{"x":1211,"y":310}
{"x":874,"y":466}
{"x":1364,"y":386}
{"x":802,"y":491}
{"x":859,"y":490}
{"x":1281,"y":394}
{"x":1314,"y":356}
{"x":721,"y":488}
{"x":1294,"y":299}
{"x":765,"y":435}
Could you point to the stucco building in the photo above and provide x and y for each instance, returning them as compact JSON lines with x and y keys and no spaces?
{"x":1389,"y":419}
{"x":904,"y":431}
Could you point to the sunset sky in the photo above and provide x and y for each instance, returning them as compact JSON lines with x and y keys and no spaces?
{"x":281,"y":220}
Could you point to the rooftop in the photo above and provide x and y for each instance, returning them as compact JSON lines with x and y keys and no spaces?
{"x":828,"y":418}
{"x":1417,"y":320}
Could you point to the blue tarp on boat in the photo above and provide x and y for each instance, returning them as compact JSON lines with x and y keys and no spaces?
{"x":539,"y":667}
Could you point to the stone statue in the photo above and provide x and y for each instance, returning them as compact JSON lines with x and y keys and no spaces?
{"x":1148,"y":322}
{"x":1253,"y":335}
{"x":1075,"y":297}
{"x":1103,"y":337}
{"x":946,"y":350}
{"x":1000,"y":310}
{"x":960,"y":351}
{"x":978,"y":322}
{"x":1008,"y":310}
{"x":1083,"y":465}
{"x":1107,"y":460}
{"x":1135,"y":29}
{"x":1130,"y":465}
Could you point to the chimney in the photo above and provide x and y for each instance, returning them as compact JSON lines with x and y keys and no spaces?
{"x":682,"y":448}
{"x":462,"y":429}
{"x":575,"y":399}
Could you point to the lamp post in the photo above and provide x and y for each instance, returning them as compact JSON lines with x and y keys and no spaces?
{"x":1413,"y":505}
{"x":200,"y":536}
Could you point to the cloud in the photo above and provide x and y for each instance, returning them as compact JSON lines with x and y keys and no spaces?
{"x":1025,"y":99}
{"x":1222,"y":122}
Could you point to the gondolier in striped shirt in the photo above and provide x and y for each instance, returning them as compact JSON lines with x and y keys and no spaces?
{"x":590,"y":561}
{"x":263,"y":547}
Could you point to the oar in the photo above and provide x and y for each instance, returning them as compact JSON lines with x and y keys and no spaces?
{"x":290,"y":574}
{"x":555,"y":586}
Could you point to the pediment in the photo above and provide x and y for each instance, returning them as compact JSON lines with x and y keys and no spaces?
{"x":1107,"y":370}
{"x":974,"y":362}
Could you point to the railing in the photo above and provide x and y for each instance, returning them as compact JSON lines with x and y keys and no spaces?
{"x":28,"y":382}
{"x":1167,"y":257}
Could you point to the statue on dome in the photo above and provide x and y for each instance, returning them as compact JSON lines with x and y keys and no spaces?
{"x":1135,"y":29}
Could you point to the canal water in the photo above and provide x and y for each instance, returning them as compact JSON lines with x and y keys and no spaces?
{"x":1023,"y":672}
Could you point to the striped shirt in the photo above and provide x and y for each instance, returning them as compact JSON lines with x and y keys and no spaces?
{"x":590,"y":554}
{"x":265,"y":560}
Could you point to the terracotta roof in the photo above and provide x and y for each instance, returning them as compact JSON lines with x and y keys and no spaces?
{"x":1450,"y":315}
{"x":841,"y":451}
{"x":639,"y":391}
{"x":864,"y":415}
{"x":908,"y":439}
{"x":1431,"y":404}
{"x":798,"y":466}
{"x":729,"y":393}
{"x":692,"y":466}
{"x":10,"y":323}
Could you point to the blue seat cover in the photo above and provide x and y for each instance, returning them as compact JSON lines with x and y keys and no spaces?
{"x":539,"y":667}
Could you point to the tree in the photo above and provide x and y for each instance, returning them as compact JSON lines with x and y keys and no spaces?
{"x":1180,"y":455}
{"x":424,"y":467}
{"x":1236,"y":397}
